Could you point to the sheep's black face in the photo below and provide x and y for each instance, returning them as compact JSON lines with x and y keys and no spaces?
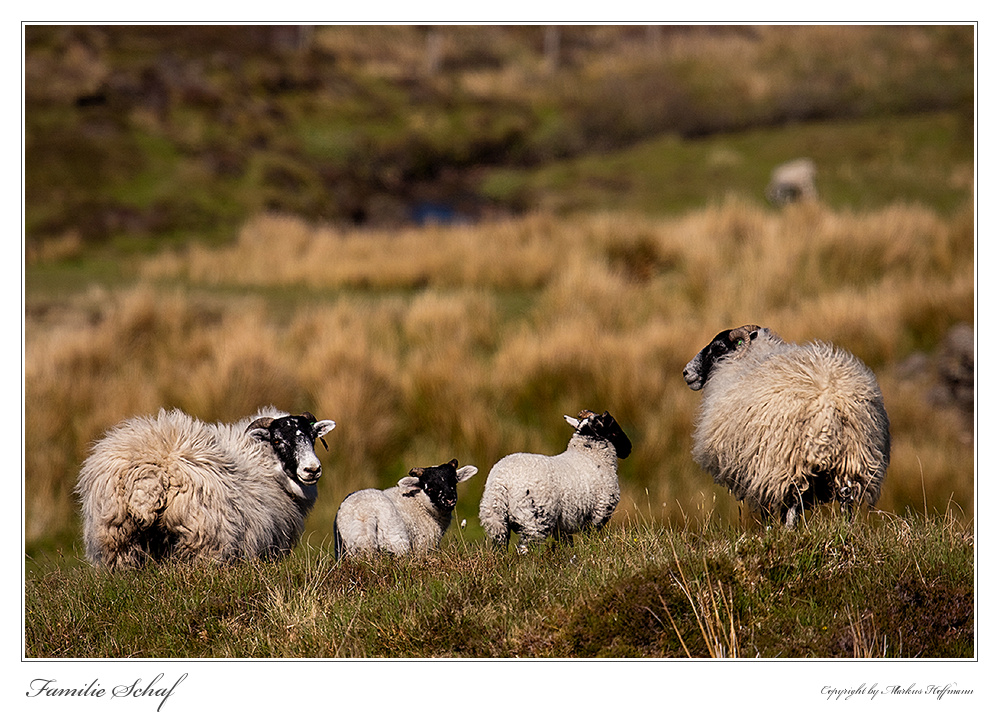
{"x":604,"y":426}
{"x":293,"y":439}
{"x":440,"y":484}
{"x":699,"y":368}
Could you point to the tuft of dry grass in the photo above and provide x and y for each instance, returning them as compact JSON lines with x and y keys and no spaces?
{"x":473,"y":341}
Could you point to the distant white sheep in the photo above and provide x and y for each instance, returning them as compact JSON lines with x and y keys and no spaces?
{"x":787,"y":426}
{"x":792,"y":181}
{"x":411,"y":517}
{"x":174,"y":486}
{"x":538,"y":496}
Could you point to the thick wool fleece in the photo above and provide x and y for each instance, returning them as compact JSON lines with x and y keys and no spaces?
{"x":174,"y":485}
{"x":539,"y":496}
{"x":780,"y":418}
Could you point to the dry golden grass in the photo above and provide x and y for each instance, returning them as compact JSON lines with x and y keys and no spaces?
{"x":472,"y":342}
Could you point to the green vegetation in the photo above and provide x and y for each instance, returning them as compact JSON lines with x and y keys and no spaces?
{"x":170,"y":134}
{"x":886,"y":587}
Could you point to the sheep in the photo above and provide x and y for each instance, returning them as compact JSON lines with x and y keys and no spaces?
{"x":792,"y":181}
{"x":788,"y":427}
{"x":538,"y":496}
{"x":411,"y":517}
{"x":174,"y":486}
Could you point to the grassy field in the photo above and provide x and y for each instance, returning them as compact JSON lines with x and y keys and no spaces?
{"x":214,"y":262}
{"x":887,"y":587}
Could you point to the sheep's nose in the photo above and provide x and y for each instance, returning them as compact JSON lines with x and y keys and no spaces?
{"x":312,"y":470}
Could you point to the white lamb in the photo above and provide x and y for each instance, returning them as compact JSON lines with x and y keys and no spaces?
{"x":538,"y":496}
{"x":411,"y":517}
{"x":787,"y":426}
{"x":174,"y":486}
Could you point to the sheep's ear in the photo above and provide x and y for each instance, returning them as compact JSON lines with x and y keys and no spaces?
{"x":465,"y":472}
{"x":410,"y":484}
{"x":324,"y":427}
{"x":260,"y":428}
{"x":572,"y":420}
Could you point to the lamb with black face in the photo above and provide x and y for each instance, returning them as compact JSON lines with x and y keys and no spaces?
{"x":410,"y":517}
{"x":439,"y":483}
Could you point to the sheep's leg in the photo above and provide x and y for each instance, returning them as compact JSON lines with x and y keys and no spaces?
{"x":848,"y":493}
{"x":791,"y":515}
{"x":562,"y":538}
{"x":528,"y":538}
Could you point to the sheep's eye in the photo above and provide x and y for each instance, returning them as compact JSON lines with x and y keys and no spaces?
{"x":738,"y":342}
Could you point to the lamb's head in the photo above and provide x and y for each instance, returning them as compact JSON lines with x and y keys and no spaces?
{"x":730,"y":341}
{"x":293,"y":439}
{"x":439,"y":483}
{"x":601,"y":426}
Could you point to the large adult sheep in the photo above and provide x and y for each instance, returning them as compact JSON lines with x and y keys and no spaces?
{"x":174,"y":486}
{"x":411,"y":517}
{"x":788,"y":427}
{"x":538,"y":496}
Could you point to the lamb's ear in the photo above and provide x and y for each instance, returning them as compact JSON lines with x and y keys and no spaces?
{"x":465,"y":472}
{"x":572,"y":420}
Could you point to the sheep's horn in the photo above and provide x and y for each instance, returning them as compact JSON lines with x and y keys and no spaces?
{"x":416,"y":472}
{"x":743,"y":332}
{"x":261,"y":423}
{"x":309,"y":416}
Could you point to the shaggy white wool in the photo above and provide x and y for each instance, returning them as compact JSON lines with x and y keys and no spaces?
{"x":175,"y":484}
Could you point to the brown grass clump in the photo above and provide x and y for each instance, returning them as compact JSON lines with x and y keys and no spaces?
{"x":472,"y":342}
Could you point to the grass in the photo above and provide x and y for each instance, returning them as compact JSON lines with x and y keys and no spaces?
{"x":886,"y":586}
{"x":863,"y":164}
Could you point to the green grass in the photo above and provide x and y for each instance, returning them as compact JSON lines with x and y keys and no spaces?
{"x":862,"y":164}
{"x":884,"y":587}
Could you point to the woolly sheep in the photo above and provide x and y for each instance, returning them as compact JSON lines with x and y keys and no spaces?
{"x":792,"y":181}
{"x":538,"y":496}
{"x":410,"y":517}
{"x":786,"y":426}
{"x":174,"y":486}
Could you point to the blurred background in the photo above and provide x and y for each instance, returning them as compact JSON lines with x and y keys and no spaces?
{"x":447,"y":237}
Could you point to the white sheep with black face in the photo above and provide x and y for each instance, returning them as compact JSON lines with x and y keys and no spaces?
{"x":787,"y":426}
{"x":174,"y":486}
{"x":410,"y":517}
{"x":538,"y":496}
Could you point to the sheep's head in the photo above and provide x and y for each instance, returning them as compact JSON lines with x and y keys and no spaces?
{"x":293,"y":439}
{"x":601,"y":426}
{"x":439,"y":483}
{"x":726,"y":342}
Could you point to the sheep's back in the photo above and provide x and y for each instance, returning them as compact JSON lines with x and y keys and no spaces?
{"x":369,"y":521}
{"x":213,"y":483}
{"x":573,"y":487}
{"x":767,"y":423}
